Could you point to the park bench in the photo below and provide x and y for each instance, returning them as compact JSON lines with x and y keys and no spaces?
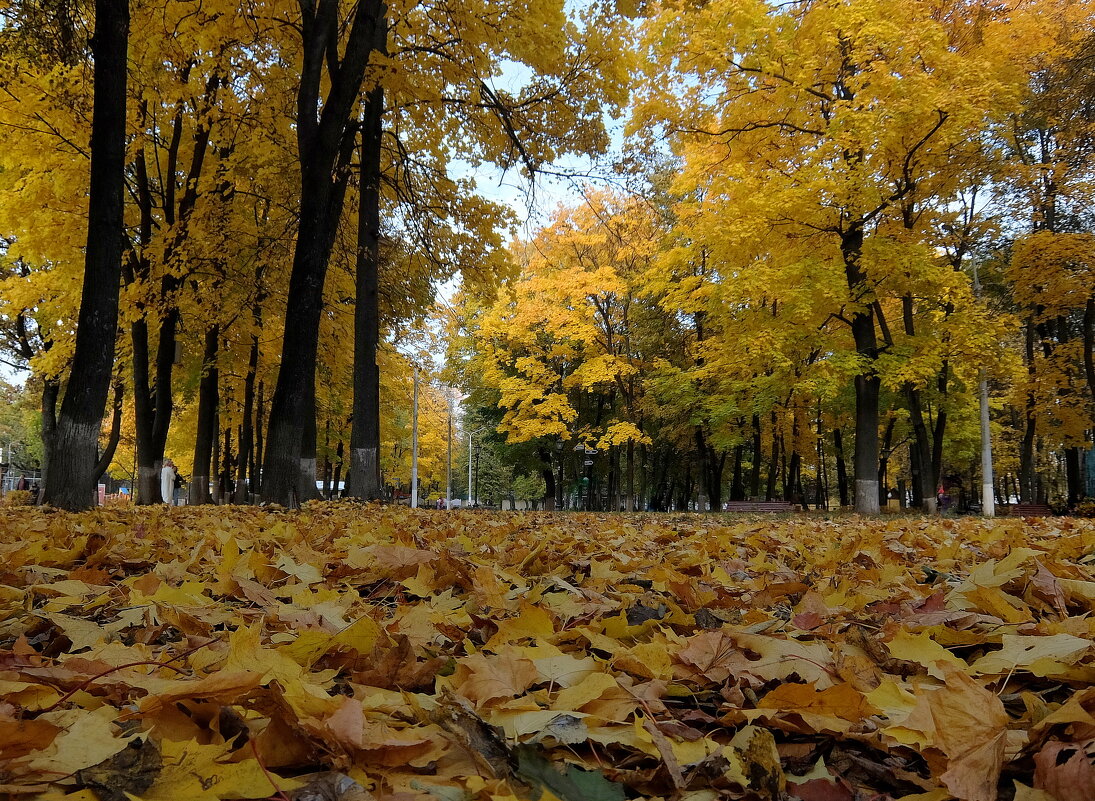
{"x":1029,"y":510}
{"x":759,"y":506}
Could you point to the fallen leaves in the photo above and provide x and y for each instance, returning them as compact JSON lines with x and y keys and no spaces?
{"x":347,"y":653}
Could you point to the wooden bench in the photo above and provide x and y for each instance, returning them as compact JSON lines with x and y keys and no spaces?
{"x":1029,"y":510}
{"x":758,"y":506}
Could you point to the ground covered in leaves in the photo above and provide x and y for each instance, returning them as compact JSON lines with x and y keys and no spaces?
{"x":343,"y":653}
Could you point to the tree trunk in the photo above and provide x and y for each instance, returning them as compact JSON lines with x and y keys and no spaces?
{"x":773,"y":467}
{"x":208,"y":391}
{"x":256,"y":468}
{"x":365,"y":434}
{"x":107,"y":456}
{"x":70,"y":482}
{"x":631,"y":475}
{"x":1073,"y":477}
{"x":51,"y":390}
{"x":924,"y":480}
{"x":884,"y":462}
{"x":247,"y":427}
{"x":1026,"y":450}
{"x":754,"y":478}
{"x":325,"y":144}
{"x":940,"y":427}
{"x":737,"y":490}
{"x":216,"y":460}
{"x":841,"y":468}
{"x":1089,"y":347}
{"x":147,"y":490}
{"x":338,"y":467}
{"x":867,"y":383}
{"x":549,"y":478}
{"x":225,"y":480}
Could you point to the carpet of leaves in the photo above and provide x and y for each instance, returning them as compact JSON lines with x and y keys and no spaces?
{"x":342,"y":653}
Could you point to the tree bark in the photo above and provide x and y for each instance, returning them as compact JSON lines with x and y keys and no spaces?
{"x":70,"y":482}
{"x":1089,"y":348}
{"x":549,"y":478}
{"x":773,"y":466}
{"x":247,"y":427}
{"x":51,"y":391}
{"x":754,"y":478}
{"x":1026,"y":449}
{"x":365,"y":434}
{"x":208,"y":391}
{"x":107,"y":456}
{"x":841,"y":468}
{"x":737,"y":490}
{"x":256,"y":468}
{"x":325,"y":143}
{"x":867,"y":383}
{"x":631,"y":475}
{"x":1073,"y":477}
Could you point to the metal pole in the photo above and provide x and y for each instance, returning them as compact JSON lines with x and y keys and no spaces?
{"x":469,"y":468}
{"x":988,"y":500}
{"x":414,"y":446}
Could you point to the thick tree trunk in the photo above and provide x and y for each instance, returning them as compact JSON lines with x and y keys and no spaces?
{"x":365,"y":434}
{"x":924,"y":479}
{"x":70,"y":482}
{"x":307,"y":489}
{"x":1073,"y":477}
{"x":325,"y":144}
{"x":867,"y":383}
{"x":206,"y":434}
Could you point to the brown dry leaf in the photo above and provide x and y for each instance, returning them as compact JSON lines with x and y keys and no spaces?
{"x":968,"y":724}
{"x":1066,"y":770}
{"x":834,"y":709}
{"x":486,"y":678}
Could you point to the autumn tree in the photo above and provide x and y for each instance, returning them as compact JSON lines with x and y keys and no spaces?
{"x":427,"y":79}
{"x":74,"y":447}
{"x":802,"y":129}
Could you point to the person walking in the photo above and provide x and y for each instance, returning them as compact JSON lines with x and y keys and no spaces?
{"x":167,"y":482}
